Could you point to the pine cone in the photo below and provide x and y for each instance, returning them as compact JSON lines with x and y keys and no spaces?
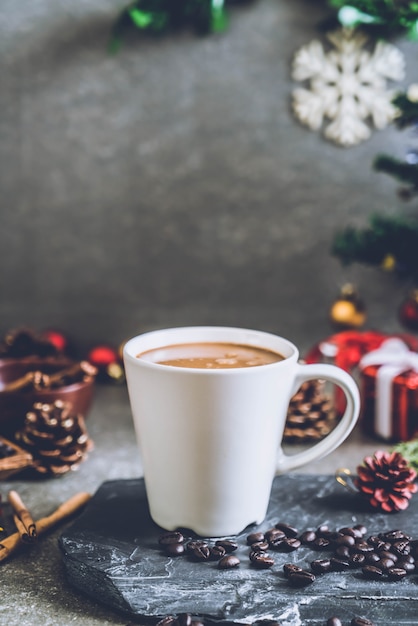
{"x":56,"y":438}
{"x":310,"y":416}
{"x":22,"y":342}
{"x":387,"y":480}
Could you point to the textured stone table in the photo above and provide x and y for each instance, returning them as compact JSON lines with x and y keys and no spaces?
{"x":111,"y":552}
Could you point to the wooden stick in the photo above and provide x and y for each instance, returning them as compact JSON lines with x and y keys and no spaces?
{"x":22,"y":517}
{"x":9,"y":545}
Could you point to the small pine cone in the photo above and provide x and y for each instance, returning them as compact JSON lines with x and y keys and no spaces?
{"x":22,"y":342}
{"x":310,"y":415}
{"x":56,"y":438}
{"x":387,"y":480}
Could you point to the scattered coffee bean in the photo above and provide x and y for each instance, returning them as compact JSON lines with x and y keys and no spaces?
{"x":171,"y":537}
{"x":321,"y":543}
{"x":342,"y":551}
{"x":216,"y":552}
{"x":290,"y":568}
{"x":255,"y":538}
{"x":385,"y":554}
{"x":168,"y":620}
{"x":401,"y":547}
{"x":261,"y":560}
{"x":344,"y":540}
{"x":274,"y":534}
{"x":372,"y":572}
{"x":362,"y":529}
{"x":357,"y":559}
{"x":322,"y":529}
{"x":229,"y":545}
{"x":174,"y":549}
{"x":361,"y":621}
{"x":334,"y":621}
{"x":228,"y":562}
{"x":260,"y":546}
{"x":301,"y":579}
{"x":290,"y":544}
{"x":353,"y":532}
{"x":195,"y":543}
{"x":184,"y":619}
{"x":396,"y":573}
{"x":385,"y":564}
{"x":289,"y":531}
{"x":308,"y":537}
{"x":201,"y":552}
{"x":371,"y":557}
{"x":339,"y":565}
{"x":321,"y":566}
{"x":363,"y":547}
{"x":406,"y":565}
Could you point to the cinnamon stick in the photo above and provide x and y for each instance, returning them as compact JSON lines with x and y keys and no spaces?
{"x":36,"y":380}
{"x":9,"y":545}
{"x":22,"y":517}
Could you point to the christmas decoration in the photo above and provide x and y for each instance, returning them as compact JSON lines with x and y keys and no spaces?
{"x":408,"y":312}
{"x":56,"y":438}
{"x":387,"y":481}
{"x":389,"y":389}
{"x":108,"y":362}
{"x":159,"y":16}
{"x":348,"y":310}
{"x":347,"y":85}
{"x":23,"y":342}
{"x":390,"y":243}
{"x":57,"y":338}
{"x":384,"y":18}
{"x":310,"y":415}
{"x":409,"y":450}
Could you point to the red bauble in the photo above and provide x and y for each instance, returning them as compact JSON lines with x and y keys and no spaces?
{"x":57,"y":338}
{"x":408,"y":312}
{"x":102,"y":356}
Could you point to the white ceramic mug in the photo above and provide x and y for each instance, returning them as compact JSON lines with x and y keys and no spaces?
{"x":210,"y":440}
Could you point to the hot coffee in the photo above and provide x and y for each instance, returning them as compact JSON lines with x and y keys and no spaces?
{"x":211,"y":355}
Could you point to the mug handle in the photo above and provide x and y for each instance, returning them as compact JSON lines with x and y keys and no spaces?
{"x":339,"y":377}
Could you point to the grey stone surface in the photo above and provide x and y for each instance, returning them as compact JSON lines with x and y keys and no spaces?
{"x":112,"y":553}
{"x":35,"y":591}
{"x":170,"y":184}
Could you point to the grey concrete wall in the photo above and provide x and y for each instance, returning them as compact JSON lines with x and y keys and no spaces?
{"x":170,"y":184}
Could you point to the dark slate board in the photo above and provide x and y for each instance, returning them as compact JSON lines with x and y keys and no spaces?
{"x":111,"y":553}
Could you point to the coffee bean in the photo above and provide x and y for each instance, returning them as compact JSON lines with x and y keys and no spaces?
{"x":362,"y":529}
{"x":308,"y":537}
{"x":216,"y":553}
{"x":274,"y":534}
{"x":324,"y":528}
{"x":353,"y":532}
{"x":290,"y":568}
{"x":261,"y":560}
{"x":394,"y":535}
{"x":382,"y":546}
{"x":339,"y":565}
{"x":372,"y":572}
{"x":342,"y":551}
{"x":371,"y":557}
{"x":301,"y":579}
{"x":230,"y":546}
{"x":396,"y":573}
{"x":276,"y":544}
{"x":260,"y":546}
{"x":228,"y":562}
{"x":168,"y":620}
{"x":373,"y":540}
{"x":401,"y":547}
{"x":357,"y":559}
{"x":361,"y":621}
{"x":290,"y":544}
{"x":363,"y":547}
{"x":321,"y":566}
{"x":344,"y":540}
{"x":334,"y":621}
{"x":321,"y":543}
{"x":288,"y":530}
{"x":184,"y":619}
{"x":201,"y":552}
{"x":385,"y":554}
{"x":196,"y":543}
{"x":385,"y":564}
{"x":255,"y":538}
{"x":174,"y":549}
{"x":172,"y":537}
{"x":406,"y":565}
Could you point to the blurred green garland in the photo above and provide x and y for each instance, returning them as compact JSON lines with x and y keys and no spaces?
{"x":160,"y":16}
{"x":386,"y":18}
{"x":409,"y":451}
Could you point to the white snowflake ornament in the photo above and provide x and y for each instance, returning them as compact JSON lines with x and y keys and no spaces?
{"x":347,"y":85}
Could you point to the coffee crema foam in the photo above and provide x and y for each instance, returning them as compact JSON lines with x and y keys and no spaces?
{"x":211,"y":355}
